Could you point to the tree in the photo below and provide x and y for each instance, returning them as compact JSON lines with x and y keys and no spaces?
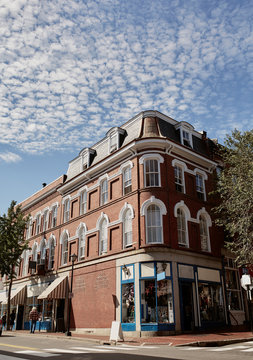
{"x":12,"y":245}
{"x":235,"y":189}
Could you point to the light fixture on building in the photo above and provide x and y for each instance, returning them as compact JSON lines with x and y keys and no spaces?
{"x":126,"y":270}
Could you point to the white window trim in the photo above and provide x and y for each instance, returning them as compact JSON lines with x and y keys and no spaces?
{"x":204,"y":213}
{"x":45,"y":211}
{"x":64,"y":200}
{"x":183,"y":167}
{"x":154,"y":156}
{"x":82,"y":227}
{"x":99,"y":222}
{"x":204,"y":176}
{"x":163,"y":211}
{"x":100,"y":181}
{"x":64,"y":234}
{"x":181,"y":205}
{"x":80,"y":192}
{"x":123,"y":210}
{"x":184,"y":126}
{"x":51,"y":240}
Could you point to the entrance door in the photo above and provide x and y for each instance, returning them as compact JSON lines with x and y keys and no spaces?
{"x":187,"y":307}
{"x":20,"y":317}
{"x":60,"y":315}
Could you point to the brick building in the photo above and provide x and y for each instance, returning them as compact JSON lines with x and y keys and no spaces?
{"x":135,"y":209}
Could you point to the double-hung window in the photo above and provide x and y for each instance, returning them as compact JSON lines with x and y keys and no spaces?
{"x":45,"y":220}
{"x":104,"y":192}
{"x":51,"y":255}
{"x":152,"y":176}
{"x":103,"y":237}
{"x":65,"y":251}
{"x":204,"y":234}
{"x":83,"y":202}
{"x":127,"y":180}
{"x":38,"y":220}
{"x":54,"y":216}
{"x":66,"y":210}
{"x":127,"y":228}
{"x":200,"y":186}
{"x":82,"y":244}
{"x":182,"y":228}
{"x":178,"y":172}
{"x":154,"y":224}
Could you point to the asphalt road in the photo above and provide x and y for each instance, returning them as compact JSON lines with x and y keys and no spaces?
{"x":37,"y":347}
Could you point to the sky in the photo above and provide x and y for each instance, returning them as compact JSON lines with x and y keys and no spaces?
{"x":72,"y":69}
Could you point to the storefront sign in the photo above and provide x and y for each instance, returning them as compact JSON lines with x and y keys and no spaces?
{"x":161,"y":276}
{"x":245,"y":280}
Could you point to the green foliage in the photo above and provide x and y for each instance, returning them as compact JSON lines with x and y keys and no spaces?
{"x":12,"y":242}
{"x":235,"y":189}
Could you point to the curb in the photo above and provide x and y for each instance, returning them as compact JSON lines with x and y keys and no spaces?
{"x":214,"y":343}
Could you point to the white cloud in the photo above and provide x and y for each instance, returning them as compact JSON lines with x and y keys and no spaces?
{"x":9,"y":157}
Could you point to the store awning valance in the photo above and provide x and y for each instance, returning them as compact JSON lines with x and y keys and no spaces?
{"x":56,"y":290}
{"x":18,"y":296}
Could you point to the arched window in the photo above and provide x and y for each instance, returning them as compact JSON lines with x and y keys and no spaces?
{"x":103,"y":237}
{"x":34,"y":254}
{"x":43,"y":249}
{"x":25,"y":262}
{"x":127,"y":228}
{"x":54,"y":216}
{"x":182,"y":228}
{"x":45,"y":219}
{"x":151,"y":162}
{"x":82,"y":241}
{"x":38,"y":220}
{"x":65,"y":251}
{"x":51,"y":253}
{"x":154,"y":224}
{"x":204,"y":234}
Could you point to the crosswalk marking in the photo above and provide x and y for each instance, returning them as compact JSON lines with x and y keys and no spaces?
{"x":230,"y":348}
{"x":116,"y":347}
{"x":63,"y":351}
{"x":248,"y":350}
{"x":35,"y":353}
{"x":192,"y":348}
{"x":86,"y":349}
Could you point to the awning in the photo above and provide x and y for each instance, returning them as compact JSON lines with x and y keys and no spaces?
{"x":56,"y":290}
{"x":18,"y":296}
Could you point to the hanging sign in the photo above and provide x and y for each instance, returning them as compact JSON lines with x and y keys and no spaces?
{"x":245,"y":280}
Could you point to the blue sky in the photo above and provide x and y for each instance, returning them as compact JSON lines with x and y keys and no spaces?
{"x":70,"y":70}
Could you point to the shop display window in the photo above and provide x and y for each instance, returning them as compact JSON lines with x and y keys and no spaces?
{"x":211,"y":302}
{"x":232,"y":286}
{"x":128,"y":308}
{"x":157,"y":301}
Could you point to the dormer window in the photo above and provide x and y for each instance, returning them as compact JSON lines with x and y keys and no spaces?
{"x":186,"y":130}
{"x":87,"y":155}
{"x":114,"y":136}
{"x":113,"y":142}
{"x":186,"y":138}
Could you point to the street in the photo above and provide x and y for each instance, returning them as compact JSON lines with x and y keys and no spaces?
{"x":35,"y":347}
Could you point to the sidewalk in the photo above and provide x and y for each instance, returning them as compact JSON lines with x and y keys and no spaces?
{"x":218,"y":338}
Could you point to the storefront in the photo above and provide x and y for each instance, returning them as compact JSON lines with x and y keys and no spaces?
{"x":201,"y":297}
{"x":151,"y":292}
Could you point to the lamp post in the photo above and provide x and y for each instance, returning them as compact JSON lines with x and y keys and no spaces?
{"x":73,"y":259}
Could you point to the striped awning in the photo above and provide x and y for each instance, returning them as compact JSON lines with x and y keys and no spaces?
{"x":56,"y":290}
{"x":18,"y":296}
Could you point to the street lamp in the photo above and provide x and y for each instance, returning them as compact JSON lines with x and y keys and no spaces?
{"x":73,"y":259}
